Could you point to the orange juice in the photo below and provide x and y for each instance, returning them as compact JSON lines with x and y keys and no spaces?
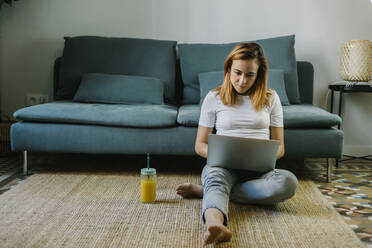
{"x":148,"y":185}
{"x":148,"y":190}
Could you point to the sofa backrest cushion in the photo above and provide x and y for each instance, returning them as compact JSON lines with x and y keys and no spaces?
{"x":276,"y":81}
{"x":125,"y":56}
{"x":197,"y":58}
{"x":211,"y":80}
{"x":112,"y":88}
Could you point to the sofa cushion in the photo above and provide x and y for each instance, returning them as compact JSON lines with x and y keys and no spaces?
{"x":294,"y":116}
{"x":275,"y":81}
{"x":308,"y":116}
{"x":141,"y":116}
{"x":109,"y":88}
{"x":188,"y":115}
{"x":126,"y":56}
{"x":211,"y":80}
{"x":197,"y":58}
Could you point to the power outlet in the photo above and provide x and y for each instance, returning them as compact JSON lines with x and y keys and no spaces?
{"x":34,"y":99}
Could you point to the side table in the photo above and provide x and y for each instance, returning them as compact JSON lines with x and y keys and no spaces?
{"x":349,"y":87}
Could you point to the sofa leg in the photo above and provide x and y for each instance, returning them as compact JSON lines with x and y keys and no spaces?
{"x":25,"y":163}
{"x":329,"y":169}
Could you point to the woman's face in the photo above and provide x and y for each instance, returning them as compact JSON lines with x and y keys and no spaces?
{"x":243,"y":74}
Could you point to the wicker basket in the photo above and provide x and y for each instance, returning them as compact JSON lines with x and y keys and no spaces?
{"x":356,"y":60}
{"x":5,"y":138}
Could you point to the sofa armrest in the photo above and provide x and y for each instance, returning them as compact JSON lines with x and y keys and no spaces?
{"x":305,"y":72}
{"x":57,"y":66}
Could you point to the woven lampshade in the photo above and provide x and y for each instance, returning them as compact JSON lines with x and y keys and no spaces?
{"x":356,"y":60}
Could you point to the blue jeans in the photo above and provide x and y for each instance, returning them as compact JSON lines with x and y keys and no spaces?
{"x":246,"y":187}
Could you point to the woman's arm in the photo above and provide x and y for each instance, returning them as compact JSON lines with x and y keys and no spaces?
{"x":277,"y":133}
{"x":201,"y":143}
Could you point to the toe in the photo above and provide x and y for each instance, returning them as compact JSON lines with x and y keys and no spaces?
{"x":182,"y":186}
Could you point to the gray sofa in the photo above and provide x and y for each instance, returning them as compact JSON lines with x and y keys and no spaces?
{"x":133,"y":119}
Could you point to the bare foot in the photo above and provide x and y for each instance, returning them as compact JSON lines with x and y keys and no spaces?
{"x":189,"y":190}
{"x":216,"y":233}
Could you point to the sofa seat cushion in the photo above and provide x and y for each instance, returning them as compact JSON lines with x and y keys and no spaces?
{"x":140,"y":116}
{"x":295,"y":116}
{"x":308,"y":116}
{"x":188,"y":115}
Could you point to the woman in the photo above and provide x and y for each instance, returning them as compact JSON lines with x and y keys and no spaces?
{"x":242,"y":106}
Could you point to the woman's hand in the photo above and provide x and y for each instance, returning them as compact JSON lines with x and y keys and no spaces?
{"x":277,"y":133}
{"x":201,"y":143}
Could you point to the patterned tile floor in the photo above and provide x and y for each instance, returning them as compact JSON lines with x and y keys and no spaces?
{"x":350,"y":192}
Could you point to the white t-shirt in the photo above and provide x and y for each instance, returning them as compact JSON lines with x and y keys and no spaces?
{"x":241,"y":119}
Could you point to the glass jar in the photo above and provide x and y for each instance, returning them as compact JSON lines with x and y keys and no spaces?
{"x":148,"y":185}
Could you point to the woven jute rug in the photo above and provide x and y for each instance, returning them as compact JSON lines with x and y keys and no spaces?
{"x":103,"y":210}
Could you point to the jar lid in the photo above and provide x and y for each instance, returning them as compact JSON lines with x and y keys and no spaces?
{"x":148,"y":171}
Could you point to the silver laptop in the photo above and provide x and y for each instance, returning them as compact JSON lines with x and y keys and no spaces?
{"x":242,"y":153}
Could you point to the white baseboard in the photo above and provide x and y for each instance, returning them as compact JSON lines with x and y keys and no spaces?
{"x":357,"y":150}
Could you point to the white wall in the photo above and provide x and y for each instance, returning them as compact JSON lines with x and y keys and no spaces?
{"x":31,"y":37}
